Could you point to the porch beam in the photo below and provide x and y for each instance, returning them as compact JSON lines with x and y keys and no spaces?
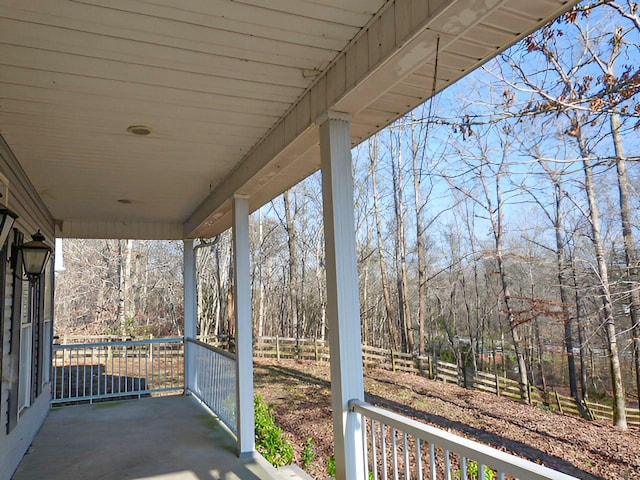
{"x":244,"y":326}
{"x":190,"y":308}
{"x":343,"y":301}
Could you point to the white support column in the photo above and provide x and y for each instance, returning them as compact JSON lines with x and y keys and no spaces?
{"x":343,"y":301}
{"x":244,"y":326}
{"x":190,"y":309}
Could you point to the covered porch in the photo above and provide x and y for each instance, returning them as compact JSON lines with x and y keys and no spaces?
{"x":167,"y":120}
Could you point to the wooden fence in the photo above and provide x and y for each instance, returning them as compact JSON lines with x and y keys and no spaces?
{"x":314,"y":349}
{"x":318,"y":350}
{"x":499,"y":385}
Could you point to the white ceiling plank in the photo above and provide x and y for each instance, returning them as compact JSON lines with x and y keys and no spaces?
{"x":164,"y":32}
{"x":347,"y":13}
{"x":132,"y":108}
{"x":50,"y":84}
{"x":90,"y":118}
{"x":49,"y":61}
{"x":63,"y":40}
{"x":287,"y":26}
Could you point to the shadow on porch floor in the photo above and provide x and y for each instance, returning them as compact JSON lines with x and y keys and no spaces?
{"x":169,"y":438}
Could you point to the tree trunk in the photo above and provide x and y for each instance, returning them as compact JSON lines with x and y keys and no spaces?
{"x":422,"y":267}
{"x":564,"y":299}
{"x":584,"y":386}
{"x":496,"y":217}
{"x":386,"y":292}
{"x":619,"y":404}
{"x":630,"y":254}
{"x":260,"y":319}
{"x":401,"y":248}
{"x":294,"y":316}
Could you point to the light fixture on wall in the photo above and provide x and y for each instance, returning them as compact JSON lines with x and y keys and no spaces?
{"x":7,"y":218}
{"x":35,"y":255}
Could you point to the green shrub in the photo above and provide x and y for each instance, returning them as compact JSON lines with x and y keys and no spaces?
{"x":473,"y":470}
{"x":331,"y":466}
{"x":270,"y":441}
{"x":308,"y":453}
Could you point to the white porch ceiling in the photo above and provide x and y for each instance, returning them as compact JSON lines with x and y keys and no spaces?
{"x":230,"y":89}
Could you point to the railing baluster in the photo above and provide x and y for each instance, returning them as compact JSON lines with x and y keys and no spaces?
{"x":70,"y":374}
{"x":374,"y":456}
{"x":447,"y":464}
{"x":365,"y":442}
{"x":432,"y":461}
{"x":395,"y":453}
{"x":481,"y":472}
{"x":419,"y":458}
{"x":140,"y":371}
{"x":463,"y":468}
{"x":407,"y":466}
{"x":383,"y":441}
{"x":77,"y":373}
{"x":55,"y":374}
{"x":91,"y":373}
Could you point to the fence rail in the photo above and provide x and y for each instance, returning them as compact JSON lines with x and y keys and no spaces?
{"x":213,"y":379}
{"x":397,"y":447}
{"x":93,"y":371}
{"x":318,"y":350}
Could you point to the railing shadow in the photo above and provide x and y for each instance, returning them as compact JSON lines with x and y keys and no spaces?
{"x":92,"y":382}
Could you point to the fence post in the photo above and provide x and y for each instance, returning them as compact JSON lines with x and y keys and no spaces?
{"x":558,"y":402}
{"x":315,"y":347}
{"x":497,"y":383}
{"x":278,"y":348}
{"x":393,"y":360}
{"x":529,"y":390}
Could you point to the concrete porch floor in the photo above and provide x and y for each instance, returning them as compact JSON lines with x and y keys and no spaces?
{"x":168,"y":438}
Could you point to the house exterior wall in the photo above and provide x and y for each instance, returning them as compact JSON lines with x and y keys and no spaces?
{"x":18,"y":430}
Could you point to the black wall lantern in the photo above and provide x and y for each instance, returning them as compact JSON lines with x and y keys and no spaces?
{"x":7,"y":218}
{"x":35,"y":255}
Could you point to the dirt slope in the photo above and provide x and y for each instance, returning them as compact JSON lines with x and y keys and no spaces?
{"x":299,"y":393}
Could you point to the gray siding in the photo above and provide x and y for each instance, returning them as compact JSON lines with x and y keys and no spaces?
{"x":33,"y":215}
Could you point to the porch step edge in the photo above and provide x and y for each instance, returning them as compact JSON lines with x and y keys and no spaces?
{"x":293,"y":472}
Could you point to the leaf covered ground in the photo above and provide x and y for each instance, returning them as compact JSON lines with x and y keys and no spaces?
{"x":299,"y":393}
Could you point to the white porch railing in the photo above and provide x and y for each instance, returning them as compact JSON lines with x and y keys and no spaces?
{"x":93,"y":371}
{"x":400,"y":448}
{"x":212,"y":378}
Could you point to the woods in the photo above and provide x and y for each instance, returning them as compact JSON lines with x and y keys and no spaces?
{"x":497,"y":220}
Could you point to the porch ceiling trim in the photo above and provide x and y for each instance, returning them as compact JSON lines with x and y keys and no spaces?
{"x":400,"y":41}
{"x":107,"y":230}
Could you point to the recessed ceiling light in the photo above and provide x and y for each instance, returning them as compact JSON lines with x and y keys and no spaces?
{"x":125,"y":200}
{"x":139,"y":130}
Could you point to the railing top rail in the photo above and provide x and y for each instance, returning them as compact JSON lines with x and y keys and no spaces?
{"x":217,"y":350}
{"x":118,"y":343}
{"x":505,"y":462}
